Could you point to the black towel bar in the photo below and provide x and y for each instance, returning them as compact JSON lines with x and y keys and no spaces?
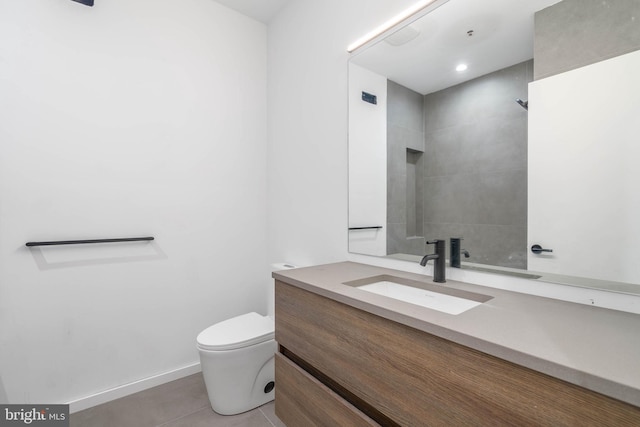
{"x":80,"y":242}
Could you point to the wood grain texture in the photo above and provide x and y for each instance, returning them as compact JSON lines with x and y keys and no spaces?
{"x":416,"y":379}
{"x":303,"y":401}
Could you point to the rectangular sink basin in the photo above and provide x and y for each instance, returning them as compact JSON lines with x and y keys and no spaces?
{"x":435,"y":297}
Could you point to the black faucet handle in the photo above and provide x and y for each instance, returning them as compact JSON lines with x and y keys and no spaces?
{"x":434,"y":242}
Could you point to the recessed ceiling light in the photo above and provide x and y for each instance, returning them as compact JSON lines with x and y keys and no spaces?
{"x":461,"y":67}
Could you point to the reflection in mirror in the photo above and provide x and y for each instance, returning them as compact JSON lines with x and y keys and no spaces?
{"x":446,"y":151}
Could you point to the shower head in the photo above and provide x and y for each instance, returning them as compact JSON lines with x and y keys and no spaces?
{"x":523,"y":104}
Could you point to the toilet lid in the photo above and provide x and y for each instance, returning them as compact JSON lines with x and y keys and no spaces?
{"x":237,"y":332}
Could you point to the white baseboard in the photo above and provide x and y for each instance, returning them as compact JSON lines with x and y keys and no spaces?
{"x":134,"y":387}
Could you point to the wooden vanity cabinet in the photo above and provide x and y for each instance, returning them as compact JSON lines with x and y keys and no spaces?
{"x":303,"y":400}
{"x":337,"y":361}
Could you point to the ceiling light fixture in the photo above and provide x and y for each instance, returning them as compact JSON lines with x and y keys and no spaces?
{"x":389,"y":24}
{"x":461,"y":67}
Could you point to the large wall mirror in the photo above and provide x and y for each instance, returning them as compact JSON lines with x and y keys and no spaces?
{"x":507,"y":124}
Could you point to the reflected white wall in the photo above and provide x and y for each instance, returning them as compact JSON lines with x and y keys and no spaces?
{"x":583,"y":172}
{"x":367,"y":175}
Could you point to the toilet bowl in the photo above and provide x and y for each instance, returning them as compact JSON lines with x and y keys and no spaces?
{"x":237,"y":360}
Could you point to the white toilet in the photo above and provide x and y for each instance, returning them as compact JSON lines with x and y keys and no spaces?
{"x":237,"y":359}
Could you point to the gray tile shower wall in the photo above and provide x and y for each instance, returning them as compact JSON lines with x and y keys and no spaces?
{"x":405,"y":144}
{"x":575,"y":33}
{"x":457,"y":166}
{"x":404,"y":107}
{"x":475,"y":166}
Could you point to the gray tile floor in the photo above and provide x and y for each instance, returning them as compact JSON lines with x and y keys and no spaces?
{"x":180,"y":403}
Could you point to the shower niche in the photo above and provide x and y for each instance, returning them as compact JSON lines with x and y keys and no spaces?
{"x":415,"y":194}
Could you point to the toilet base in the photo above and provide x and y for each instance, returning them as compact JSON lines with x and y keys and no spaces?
{"x":239,"y":380}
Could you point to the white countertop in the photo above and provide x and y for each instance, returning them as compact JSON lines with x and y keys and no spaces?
{"x":592,"y":347}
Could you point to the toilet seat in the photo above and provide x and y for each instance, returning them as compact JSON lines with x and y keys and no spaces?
{"x":238,"y":332}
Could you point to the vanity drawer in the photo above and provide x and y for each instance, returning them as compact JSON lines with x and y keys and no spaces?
{"x":413,"y":378}
{"x":303,"y":401}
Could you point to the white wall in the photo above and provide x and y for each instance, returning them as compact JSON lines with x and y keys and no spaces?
{"x":584,"y":201}
{"x":143,"y":117}
{"x":367,"y":162}
{"x":307,"y":156}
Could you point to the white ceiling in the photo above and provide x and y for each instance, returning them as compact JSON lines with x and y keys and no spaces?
{"x":261,"y":10}
{"x":503,"y":36}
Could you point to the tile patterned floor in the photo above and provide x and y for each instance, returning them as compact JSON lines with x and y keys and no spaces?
{"x":180,"y":403}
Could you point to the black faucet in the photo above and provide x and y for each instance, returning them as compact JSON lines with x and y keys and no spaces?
{"x":456,"y":251}
{"x":439,"y":260}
